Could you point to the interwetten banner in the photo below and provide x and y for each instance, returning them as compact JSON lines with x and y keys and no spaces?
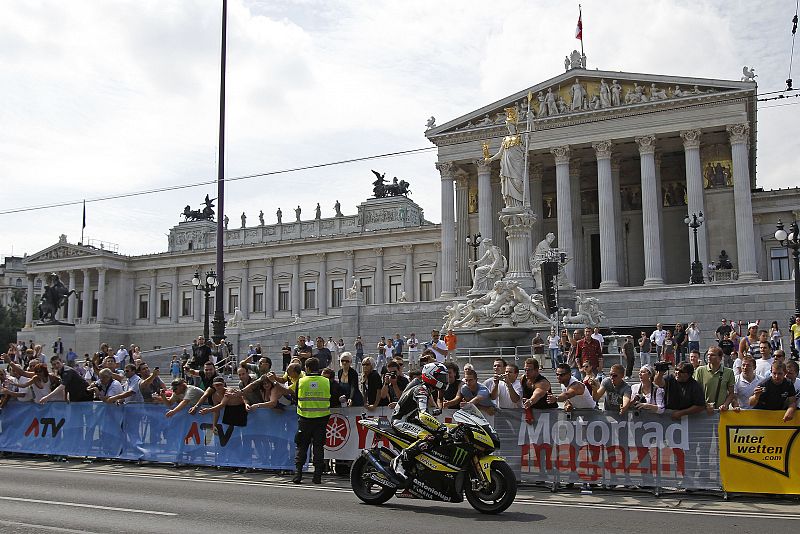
{"x":759,"y":452}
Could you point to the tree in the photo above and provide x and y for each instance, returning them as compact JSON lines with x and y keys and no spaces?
{"x":12,"y":319}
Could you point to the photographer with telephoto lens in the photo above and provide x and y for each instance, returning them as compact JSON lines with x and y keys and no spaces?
{"x":682,"y":393}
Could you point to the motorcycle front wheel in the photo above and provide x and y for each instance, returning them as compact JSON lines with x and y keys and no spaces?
{"x":365,"y":489}
{"x":498,"y":495}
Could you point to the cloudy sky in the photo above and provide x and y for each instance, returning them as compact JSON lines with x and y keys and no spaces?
{"x":112,"y":97}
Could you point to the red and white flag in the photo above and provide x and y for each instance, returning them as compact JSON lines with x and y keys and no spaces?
{"x":579,"y":27}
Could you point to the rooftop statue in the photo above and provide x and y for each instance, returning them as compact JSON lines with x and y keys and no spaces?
{"x":205,"y":214}
{"x":394,"y":189}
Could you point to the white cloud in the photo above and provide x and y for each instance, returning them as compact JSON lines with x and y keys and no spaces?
{"x":111,"y":97}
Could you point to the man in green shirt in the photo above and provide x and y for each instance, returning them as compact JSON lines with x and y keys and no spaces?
{"x":717,"y":381}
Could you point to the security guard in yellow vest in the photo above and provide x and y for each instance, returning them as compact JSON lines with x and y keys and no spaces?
{"x":313,"y":393}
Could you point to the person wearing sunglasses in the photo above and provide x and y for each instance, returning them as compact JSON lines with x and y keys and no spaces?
{"x":617,"y":392}
{"x":574,"y":393}
{"x":683,"y":395}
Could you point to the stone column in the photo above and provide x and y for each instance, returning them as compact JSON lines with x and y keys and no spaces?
{"x":577,"y":222}
{"x":650,"y":205}
{"x":498,"y":234}
{"x":463,"y":275}
{"x":518,"y":223}
{"x":661,"y":245}
{"x":175,"y":304}
{"x":295,"y":284}
{"x":408,"y":280}
{"x":153,"y":296}
{"x":244,"y":290}
{"x":448,"y":267}
{"x":485,"y":213}
{"x":622,"y":252}
{"x":351,"y":267}
{"x":564,"y":208}
{"x":29,"y":301}
{"x":379,"y":298}
{"x":269,"y":295}
{"x":742,"y":201}
{"x":322,"y":285}
{"x":695,"y":192}
{"x":101,"y":294}
{"x":71,"y":301}
{"x":605,"y":201}
{"x":537,"y":203}
{"x":86,"y":296}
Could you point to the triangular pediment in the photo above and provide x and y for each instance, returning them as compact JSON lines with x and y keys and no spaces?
{"x":552,"y":100}
{"x":61,"y":251}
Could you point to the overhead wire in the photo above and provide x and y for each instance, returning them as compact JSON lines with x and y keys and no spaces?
{"x":780,"y":95}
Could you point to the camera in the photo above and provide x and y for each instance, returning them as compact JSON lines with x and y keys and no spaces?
{"x":662,"y":367}
{"x":637,"y":399}
{"x":392,"y":374}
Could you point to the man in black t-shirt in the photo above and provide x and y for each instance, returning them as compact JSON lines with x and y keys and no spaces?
{"x":723,"y":329}
{"x":72,"y":383}
{"x":775,"y":393}
{"x":726,"y":344}
{"x":682,"y":393}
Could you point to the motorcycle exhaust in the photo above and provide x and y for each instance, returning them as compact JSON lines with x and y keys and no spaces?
{"x":391,"y":481}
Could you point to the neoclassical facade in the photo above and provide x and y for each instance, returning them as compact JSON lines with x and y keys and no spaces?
{"x":275,"y":274}
{"x":616,"y":161}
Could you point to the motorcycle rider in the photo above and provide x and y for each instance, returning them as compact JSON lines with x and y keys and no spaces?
{"x":417,"y":406}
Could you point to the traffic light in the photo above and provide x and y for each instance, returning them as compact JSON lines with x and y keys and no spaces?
{"x":549,"y":290}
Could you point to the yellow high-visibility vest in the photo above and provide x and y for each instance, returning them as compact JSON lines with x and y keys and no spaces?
{"x":313,"y":397}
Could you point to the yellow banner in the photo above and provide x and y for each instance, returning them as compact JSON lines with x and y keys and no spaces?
{"x":758,"y":452}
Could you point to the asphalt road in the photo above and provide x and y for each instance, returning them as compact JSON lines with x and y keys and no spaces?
{"x":38,"y":496}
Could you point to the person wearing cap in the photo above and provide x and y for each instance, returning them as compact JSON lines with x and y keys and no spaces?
{"x":183,"y":394}
{"x":313,"y":393}
{"x":749,"y":343}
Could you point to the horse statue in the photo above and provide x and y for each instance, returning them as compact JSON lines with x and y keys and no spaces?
{"x":55,"y":295}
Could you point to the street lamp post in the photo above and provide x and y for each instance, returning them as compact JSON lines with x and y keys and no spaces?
{"x":694,"y":222}
{"x":791,"y":240}
{"x":474,"y":241}
{"x":207,"y":285}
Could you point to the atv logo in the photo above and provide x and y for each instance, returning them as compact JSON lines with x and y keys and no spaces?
{"x":765,"y":446}
{"x":46,"y":422}
{"x":194,"y":434}
{"x":337,"y":432}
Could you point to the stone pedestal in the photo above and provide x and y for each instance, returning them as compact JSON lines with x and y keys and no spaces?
{"x":518,"y":222}
{"x":351,"y":315}
{"x":46,"y":335}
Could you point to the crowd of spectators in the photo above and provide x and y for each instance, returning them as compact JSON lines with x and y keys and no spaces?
{"x":744,"y":370}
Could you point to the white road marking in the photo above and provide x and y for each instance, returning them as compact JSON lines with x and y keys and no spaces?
{"x":639,"y":508}
{"x":42,"y":527}
{"x":92,"y":506}
{"x":632,"y":507}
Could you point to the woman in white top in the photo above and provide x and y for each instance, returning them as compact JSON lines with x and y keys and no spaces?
{"x":775,"y":336}
{"x":645,"y":395}
{"x":41,"y":384}
{"x":552,"y":349}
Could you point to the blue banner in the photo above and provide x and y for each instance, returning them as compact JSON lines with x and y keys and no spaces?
{"x":143,"y":432}
{"x":74,"y":429}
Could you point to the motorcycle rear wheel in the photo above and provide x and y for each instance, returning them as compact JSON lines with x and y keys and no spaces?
{"x":368,"y":491}
{"x":500,"y":493}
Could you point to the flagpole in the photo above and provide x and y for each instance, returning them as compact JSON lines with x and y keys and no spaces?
{"x":83,"y":224}
{"x":580,"y":21}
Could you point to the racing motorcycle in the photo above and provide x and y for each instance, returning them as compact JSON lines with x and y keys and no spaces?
{"x":458,"y":464}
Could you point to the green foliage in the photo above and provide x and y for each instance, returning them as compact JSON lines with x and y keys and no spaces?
{"x":12,"y":319}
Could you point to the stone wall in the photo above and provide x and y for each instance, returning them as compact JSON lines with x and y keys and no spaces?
{"x":706,"y":304}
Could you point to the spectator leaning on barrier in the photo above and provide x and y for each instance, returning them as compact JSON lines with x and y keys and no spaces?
{"x":745,"y":384}
{"x":574,"y":393}
{"x":151,"y":383}
{"x":682,"y":393}
{"x":106,"y":387}
{"x":645,"y":395}
{"x":717,"y":380}
{"x":776,"y":393}
{"x":473,"y":392}
{"x":535,"y":387}
{"x":132,"y":391}
{"x":453,"y":384}
{"x":504,"y":387}
{"x":792,"y":377}
{"x":183,"y":394}
{"x":371,"y":384}
{"x":617,"y":392}
{"x":348,"y":380}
